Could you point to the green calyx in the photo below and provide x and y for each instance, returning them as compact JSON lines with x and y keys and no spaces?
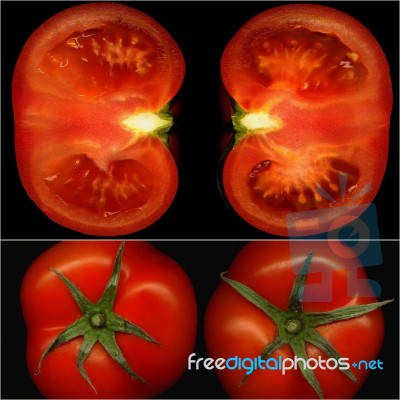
{"x":165,"y":132}
{"x":98,"y":323}
{"x":296,"y":327}
{"x":238,"y":114}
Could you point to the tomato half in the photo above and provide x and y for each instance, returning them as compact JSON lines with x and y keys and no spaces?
{"x":153,"y":292}
{"x":312,"y":98}
{"x":234,"y":327}
{"x":91,"y":92}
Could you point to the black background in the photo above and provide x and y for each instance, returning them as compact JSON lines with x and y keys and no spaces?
{"x":202,"y":30}
{"x":203,"y":261}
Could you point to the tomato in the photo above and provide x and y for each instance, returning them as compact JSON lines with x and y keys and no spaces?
{"x":153,"y":293}
{"x":239,"y":326}
{"x":312,"y":97}
{"x":91,"y":94}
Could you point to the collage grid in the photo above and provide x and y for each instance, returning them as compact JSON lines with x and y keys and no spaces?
{"x":198,"y":230}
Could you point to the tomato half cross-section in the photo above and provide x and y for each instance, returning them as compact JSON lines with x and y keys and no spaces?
{"x":107,"y":320}
{"x":92,"y":91}
{"x":311,"y":99}
{"x":280,"y":304}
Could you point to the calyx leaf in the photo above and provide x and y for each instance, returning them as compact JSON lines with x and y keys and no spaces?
{"x":98,"y":323}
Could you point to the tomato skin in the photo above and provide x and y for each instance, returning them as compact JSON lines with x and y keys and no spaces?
{"x":235,"y":327}
{"x":313,"y":125}
{"x":54,"y":120}
{"x":153,"y":292}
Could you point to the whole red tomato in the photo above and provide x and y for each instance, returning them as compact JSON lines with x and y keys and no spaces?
{"x":311,"y":100}
{"x":91,"y":97}
{"x":140,"y":317}
{"x":262,"y":309}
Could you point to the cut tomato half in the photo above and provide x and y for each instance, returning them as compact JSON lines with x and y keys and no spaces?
{"x":312,"y":98}
{"x":91,"y":95}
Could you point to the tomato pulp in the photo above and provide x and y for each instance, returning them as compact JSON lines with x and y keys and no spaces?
{"x":311,"y":113}
{"x":236,"y":326}
{"x":91,"y":92}
{"x":152,"y":292}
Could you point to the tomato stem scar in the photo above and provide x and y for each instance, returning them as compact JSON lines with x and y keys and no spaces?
{"x":98,"y":320}
{"x":293,"y":326}
{"x":249,"y":122}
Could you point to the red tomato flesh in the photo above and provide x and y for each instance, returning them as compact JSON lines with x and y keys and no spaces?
{"x":315,"y":94}
{"x":81,"y":80}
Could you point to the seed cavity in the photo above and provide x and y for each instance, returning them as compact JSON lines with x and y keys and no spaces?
{"x":78,"y":181}
{"x":306,"y":62}
{"x":329,"y":181}
{"x":119,"y":52}
{"x":102,"y":60}
{"x":263,"y":165}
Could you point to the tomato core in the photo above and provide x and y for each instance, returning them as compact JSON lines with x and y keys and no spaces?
{"x":313,"y":62}
{"x":102,"y":60}
{"x":326,"y":181}
{"x":78,"y":181}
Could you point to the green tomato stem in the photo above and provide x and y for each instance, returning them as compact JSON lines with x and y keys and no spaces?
{"x":98,"y":320}
{"x":293,"y":326}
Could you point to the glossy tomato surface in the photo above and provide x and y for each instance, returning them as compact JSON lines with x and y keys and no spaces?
{"x":89,"y":91}
{"x":313,"y":105}
{"x":235,"y":327}
{"x":195,"y":258}
{"x":154,"y":293}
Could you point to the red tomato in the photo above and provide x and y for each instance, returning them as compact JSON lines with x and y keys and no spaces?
{"x":153,"y":293}
{"x":90,"y":95}
{"x":313,"y":95}
{"x":236,"y":327}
